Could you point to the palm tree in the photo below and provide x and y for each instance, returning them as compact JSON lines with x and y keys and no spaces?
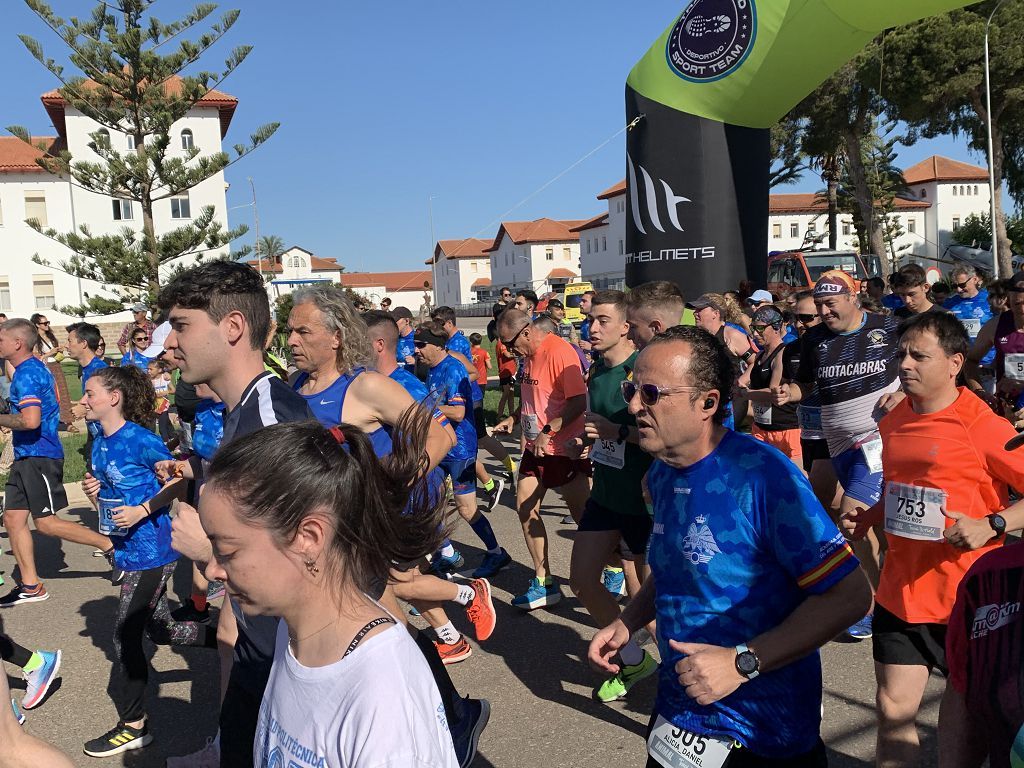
{"x":270,"y":247}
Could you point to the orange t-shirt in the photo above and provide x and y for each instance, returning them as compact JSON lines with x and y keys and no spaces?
{"x":960,"y":451}
{"x":550,"y":377}
{"x":507,"y":362}
{"x":482,"y":360}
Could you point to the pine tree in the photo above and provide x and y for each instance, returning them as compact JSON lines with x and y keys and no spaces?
{"x":133,"y":81}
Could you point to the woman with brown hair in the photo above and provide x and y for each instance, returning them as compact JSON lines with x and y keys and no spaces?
{"x":51,"y":351}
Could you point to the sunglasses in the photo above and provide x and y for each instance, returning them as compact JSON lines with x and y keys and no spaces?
{"x":806,"y":318}
{"x":649,"y":393}
{"x":511,"y":342}
{"x":757,"y":328}
{"x":419,"y":344}
{"x":141,"y":338}
{"x":961,"y":286}
{"x":43,"y":322}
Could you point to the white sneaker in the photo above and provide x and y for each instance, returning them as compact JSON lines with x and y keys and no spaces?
{"x":207,"y":757}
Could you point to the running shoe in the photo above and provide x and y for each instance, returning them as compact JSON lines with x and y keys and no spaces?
{"x":617,"y":687}
{"x":861,"y":630}
{"x":120,"y":738}
{"x":539,"y":595}
{"x":116,"y":574}
{"x":494,"y":494}
{"x":492,"y":563}
{"x":480,"y":610}
{"x":39,"y":680}
{"x":444,"y":567}
{"x":188,"y":612}
{"x":567,"y":520}
{"x":214,"y":591}
{"x":21,"y":596}
{"x":614,"y":580}
{"x":207,"y":757}
{"x":18,"y":714}
{"x":466,"y":733}
{"x":453,"y":653}
{"x":98,"y":553}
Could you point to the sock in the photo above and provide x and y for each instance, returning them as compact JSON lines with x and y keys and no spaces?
{"x":547,"y":581}
{"x":34,"y":662}
{"x":199,"y":600}
{"x":482,"y":528}
{"x":495,"y":551}
{"x":29,"y":587}
{"x":448,"y":633}
{"x":631,"y":653}
{"x":489,"y":485}
{"x":510,"y":465}
{"x":466,"y":594}
{"x":612,"y":569}
{"x":447,"y":550}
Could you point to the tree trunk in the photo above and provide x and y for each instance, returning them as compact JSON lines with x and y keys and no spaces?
{"x":1005,"y":254}
{"x":865,"y":201}
{"x":833,"y":212}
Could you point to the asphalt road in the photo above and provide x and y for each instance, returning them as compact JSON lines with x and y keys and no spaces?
{"x":531,"y":670}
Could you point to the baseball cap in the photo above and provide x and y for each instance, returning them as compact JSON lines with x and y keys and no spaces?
{"x":767,"y":316}
{"x":758,"y":296}
{"x":555,"y":303}
{"x":834,"y":282}
{"x":140,"y":307}
{"x":703,"y":302}
{"x":156,"y":341}
{"x":1016,"y":283}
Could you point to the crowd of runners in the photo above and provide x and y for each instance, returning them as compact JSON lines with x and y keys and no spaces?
{"x":748,"y":478}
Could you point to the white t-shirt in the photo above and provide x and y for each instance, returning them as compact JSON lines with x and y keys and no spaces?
{"x":377,"y":708}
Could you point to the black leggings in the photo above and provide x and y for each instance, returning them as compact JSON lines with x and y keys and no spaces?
{"x":13,"y":653}
{"x":142,"y":611}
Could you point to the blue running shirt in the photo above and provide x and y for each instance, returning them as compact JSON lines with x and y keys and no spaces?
{"x":209,"y":428}
{"x":973,"y":313}
{"x":123,"y":463}
{"x":88,"y":370}
{"x":448,"y":382}
{"x":739,"y":540}
{"x":406,"y":348}
{"x":459,"y":343}
{"x":33,"y":387}
{"x":136,"y":358}
{"x":328,"y":406}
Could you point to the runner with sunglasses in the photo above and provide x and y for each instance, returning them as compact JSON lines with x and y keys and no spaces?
{"x":750,"y":577}
{"x":971,"y":307}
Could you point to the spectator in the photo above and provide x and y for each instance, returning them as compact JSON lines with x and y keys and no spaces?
{"x":139,"y":320}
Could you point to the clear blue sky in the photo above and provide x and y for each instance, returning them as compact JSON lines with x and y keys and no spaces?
{"x":383,"y":105}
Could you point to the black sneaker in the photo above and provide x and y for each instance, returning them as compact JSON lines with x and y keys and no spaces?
{"x":21,"y":596}
{"x":189,"y":612}
{"x":116,"y":574}
{"x":495,"y":493}
{"x":466,"y":734}
{"x":120,"y":738}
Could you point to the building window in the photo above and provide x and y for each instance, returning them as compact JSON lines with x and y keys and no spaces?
{"x":588,"y":245}
{"x":924,"y":192}
{"x":954,"y":190}
{"x":123,"y":210}
{"x":42,"y":289}
{"x":35,"y":206}
{"x":794,"y":230}
{"x":961,"y":189}
{"x":776,"y":231}
{"x":180,"y":208}
{"x":5,"y":295}
{"x":622,"y":248}
{"x":102,"y":139}
{"x":975,"y":189}
{"x":476,"y":267}
{"x":549,"y":254}
{"x":812,"y":226}
{"x":956,"y":224}
{"x":846,"y":228}
{"x":187,"y":141}
{"x":911,"y":225}
{"x":297,"y":262}
{"x":130,"y":142}
{"x":566,"y":254}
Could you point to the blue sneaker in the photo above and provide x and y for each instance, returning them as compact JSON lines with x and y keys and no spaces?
{"x":861,"y":630}
{"x":614,"y":580}
{"x":443,"y":567}
{"x":18,"y":714}
{"x":492,"y":563}
{"x":39,"y":680}
{"x":466,"y":732}
{"x":538,"y":595}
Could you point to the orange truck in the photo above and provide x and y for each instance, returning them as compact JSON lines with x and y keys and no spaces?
{"x":793,"y":271}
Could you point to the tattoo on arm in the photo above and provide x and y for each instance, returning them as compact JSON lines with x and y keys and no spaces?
{"x":15,"y":421}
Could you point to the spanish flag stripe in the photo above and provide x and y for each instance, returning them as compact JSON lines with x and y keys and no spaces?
{"x":818,"y":574}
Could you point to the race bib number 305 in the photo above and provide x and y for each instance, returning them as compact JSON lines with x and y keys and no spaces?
{"x":678,"y":748}
{"x":914,"y":512}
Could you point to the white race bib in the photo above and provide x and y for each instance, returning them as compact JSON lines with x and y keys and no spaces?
{"x":611,"y":453}
{"x":1013,"y":366}
{"x":914,"y":512}
{"x":873,"y":454}
{"x":678,"y":748}
{"x":762,"y":414}
{"x":972,"y":325}
{"x":531,"y":426}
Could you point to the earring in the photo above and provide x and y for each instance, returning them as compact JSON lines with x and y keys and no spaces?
{"x":311,"y":566}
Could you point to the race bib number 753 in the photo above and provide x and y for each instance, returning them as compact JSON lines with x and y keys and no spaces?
{"x":914,"y":512}
{"x":675,"y":747}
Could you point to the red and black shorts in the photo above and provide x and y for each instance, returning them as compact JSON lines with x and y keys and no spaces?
{"x":553,"y":471}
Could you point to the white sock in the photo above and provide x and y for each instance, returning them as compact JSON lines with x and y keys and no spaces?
{"x":448,"y":633}
{"x":447,"y":551}
{"x":466,"y":594}
{"x":631,"y":653}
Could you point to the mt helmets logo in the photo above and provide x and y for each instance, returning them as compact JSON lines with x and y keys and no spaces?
{"x":711,"y":39}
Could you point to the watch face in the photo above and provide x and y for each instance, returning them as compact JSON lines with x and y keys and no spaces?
{"x":746,"y":662}
{"x":998,"y":523}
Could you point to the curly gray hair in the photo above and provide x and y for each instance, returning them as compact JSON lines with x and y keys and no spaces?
{"x":339,"y":316}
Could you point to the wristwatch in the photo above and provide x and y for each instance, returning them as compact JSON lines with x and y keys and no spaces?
{"x":998,"y":523}
{"x":546,"y":430}
{"x":747,"y":663}
{"x":623,"y":433}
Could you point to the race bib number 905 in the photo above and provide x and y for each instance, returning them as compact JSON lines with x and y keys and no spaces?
{"x":675,"y":747}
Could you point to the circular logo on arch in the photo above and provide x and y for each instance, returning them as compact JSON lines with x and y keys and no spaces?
{"x":711,"y":39}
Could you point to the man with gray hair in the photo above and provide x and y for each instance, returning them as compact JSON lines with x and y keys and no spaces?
{"x":970,"y":305}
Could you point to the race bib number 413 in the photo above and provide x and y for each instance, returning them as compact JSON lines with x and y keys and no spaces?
{"x":914,"y":512}
{"x":678,"y":748}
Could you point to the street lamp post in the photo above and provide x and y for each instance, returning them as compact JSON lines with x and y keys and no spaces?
{"x":256,"y":217}
{"x":991,"y":163}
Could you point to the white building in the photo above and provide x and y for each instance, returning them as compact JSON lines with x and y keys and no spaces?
{"x":942,"y":193}
{"x":461,"y":271}
{"x":405,"y":289}
{"x":294,"y":268}
{"x":29,"y":192}
{"x":541,"y":255}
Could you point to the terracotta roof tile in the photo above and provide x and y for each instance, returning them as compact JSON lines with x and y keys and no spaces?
{"x":939,"y":168}
{"x":599,"y":220}
{"x":808,"y":202}
{"x":538,"y":231}
{"x":392,"y":281}
{"x":481,"y":282}
{"x":466,"y":248}
{"x":18,"y":157}
{"x":561,"y":272}
{"x":613,"y":191}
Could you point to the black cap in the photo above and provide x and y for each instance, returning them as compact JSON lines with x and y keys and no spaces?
{"x":1016,"y":283}
{"x":555,"y":303}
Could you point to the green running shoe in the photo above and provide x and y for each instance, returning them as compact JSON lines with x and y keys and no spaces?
{"x":615,"y":688}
